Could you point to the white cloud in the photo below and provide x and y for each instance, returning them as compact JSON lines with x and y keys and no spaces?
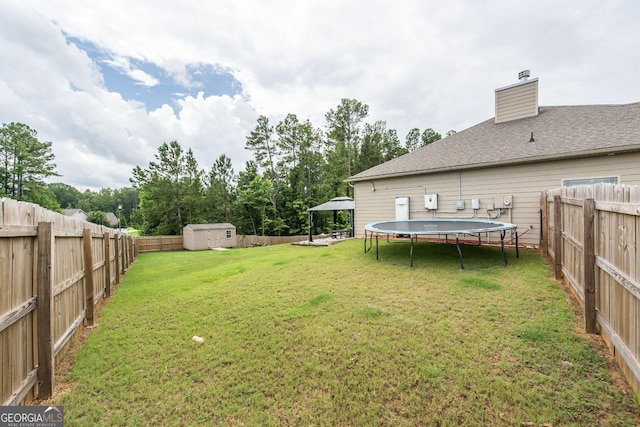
{"x":124,"y":65}
{"x":417,"y":64}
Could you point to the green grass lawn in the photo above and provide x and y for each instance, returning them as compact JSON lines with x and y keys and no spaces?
{"x":329,"y":336}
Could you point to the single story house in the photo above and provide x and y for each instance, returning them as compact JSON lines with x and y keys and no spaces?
{"x":113,"y":219}
{"x":498,"y":168}
{"x":197,"y":237}
{"x":76,"y":213}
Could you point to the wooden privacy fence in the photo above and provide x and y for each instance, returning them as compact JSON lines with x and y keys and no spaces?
{"x":176,"y":243}
{"x":253,"y":240}
{"x":54,"y":272}
{"x":592,"y":234}
{"x":159,"y":243}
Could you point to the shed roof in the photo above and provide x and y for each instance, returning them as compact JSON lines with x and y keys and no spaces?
{"x":218,"y":226}
{"x":559,"y":132}
{"x":112,"y":218}
{"x":336,"y":204}
{"x":71,"y":212}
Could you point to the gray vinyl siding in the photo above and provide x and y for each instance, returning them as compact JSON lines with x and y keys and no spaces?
{"x":517,"y":101}
{"x":523,"y":182}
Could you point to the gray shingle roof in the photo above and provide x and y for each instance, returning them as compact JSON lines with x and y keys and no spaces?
{"x":559,"y":133}
{"x":71,"y":212}
{"x":217,"y":226}
{"x":336,"y":204}
{"x":112,"y":218}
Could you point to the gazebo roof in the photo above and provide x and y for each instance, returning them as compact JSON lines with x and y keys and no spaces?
{"x":336,"y":204}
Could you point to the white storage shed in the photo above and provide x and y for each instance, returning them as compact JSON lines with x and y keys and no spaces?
{"x":199,"y":237}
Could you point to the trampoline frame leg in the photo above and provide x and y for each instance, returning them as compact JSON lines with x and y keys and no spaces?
{"x":411,"y":252}
{"x":459,"y":252}
{"x":504,"y":253}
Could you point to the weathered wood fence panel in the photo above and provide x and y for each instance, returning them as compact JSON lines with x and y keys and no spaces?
{"x":252,"y":240}
{"x":176,"y":243}
{"x":159,"y":243}
{"x":596,"y":233}
{"x":47,"y":264}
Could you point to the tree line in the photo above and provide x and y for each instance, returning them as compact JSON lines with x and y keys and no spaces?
{"x":295,"y":166}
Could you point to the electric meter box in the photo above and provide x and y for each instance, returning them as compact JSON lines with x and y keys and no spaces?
{"x":431,"y":201}
{"x":402,"y":208}
{"x":504,"y":202}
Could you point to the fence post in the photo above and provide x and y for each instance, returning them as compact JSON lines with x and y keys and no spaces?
{"x":557,"y":224}
{"x":46,"y":356}
{"x":107,"y":264}
{"x":125,"y":255}
{"x":132,"y":254}
{"x":88,"y":273}
{"x":116,"y":249}
{"x":121,"y":245}
{"x":544,"y":225}
{"x":134,"y":245}
{"x":589,"y":266}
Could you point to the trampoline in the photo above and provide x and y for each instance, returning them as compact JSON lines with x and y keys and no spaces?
{"x":438,"y":227}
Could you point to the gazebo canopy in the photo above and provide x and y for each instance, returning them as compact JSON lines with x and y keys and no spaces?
{"x":336,"y":204}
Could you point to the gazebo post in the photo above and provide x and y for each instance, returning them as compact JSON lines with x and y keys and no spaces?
{"x":352,"y":232}
{"x":310,"y":226}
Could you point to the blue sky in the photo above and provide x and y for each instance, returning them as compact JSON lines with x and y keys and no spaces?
{"x":109,"y":81}
{"x":140,"y":80}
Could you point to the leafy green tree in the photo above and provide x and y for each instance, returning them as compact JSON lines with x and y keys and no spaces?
{"x":98,"y":217}
{"x":391,"y":147}
{"x":42,"y":195}
{"x":292,"y":138}
{"x":127,"y":197}
{"x":247,"y":218}
{"x":66,"y":195}
{"x":334,"y":173}
{"x":415,"y":139}
{"x":25,"y":162}
{"x":221,"y":192}
{"x":379,"y":145}
{"x":262,"y":142}
{"x":412,"y":140}
{"x":300,"y":167}
{"x":193,"y":191}
{"x":430,"y":136}
{"x":104,"y":200}
{"x":253,"y":196}
{"x":86,"y":201}
{"x":169,"y":189}
{"x":344,"y":127}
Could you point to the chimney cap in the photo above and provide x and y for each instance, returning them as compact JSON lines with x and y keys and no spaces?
{"x":524,"y":75}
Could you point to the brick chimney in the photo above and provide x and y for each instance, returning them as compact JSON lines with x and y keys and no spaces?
{"x":518,"y":100}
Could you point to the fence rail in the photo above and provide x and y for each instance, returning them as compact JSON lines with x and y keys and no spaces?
{"x":54,"y":273}
{"x":592,"y":234}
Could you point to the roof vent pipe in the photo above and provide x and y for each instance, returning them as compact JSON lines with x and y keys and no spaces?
{"x":523,"y":76}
